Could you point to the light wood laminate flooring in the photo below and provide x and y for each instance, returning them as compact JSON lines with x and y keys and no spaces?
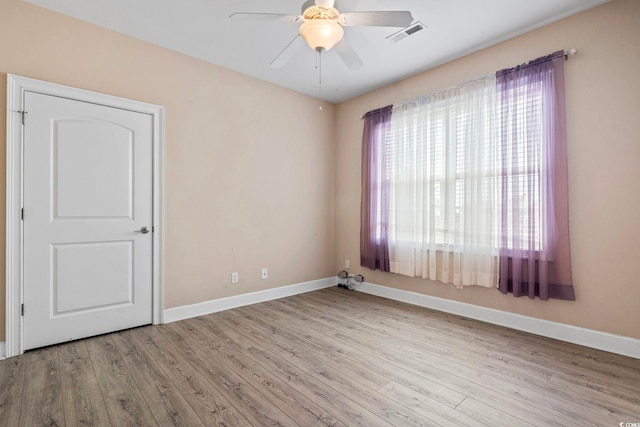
{"x":330,"y":357}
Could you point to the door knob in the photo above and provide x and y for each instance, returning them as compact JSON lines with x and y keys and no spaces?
{"x":143,"y":230}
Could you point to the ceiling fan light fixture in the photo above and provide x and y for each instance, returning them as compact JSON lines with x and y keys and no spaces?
{"x":321,"y":34}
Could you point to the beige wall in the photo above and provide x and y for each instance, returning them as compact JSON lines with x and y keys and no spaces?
{"x":603,"y":130}
{"x":249,"y":177}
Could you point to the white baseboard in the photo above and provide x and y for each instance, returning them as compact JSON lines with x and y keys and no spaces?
{"x":3,"y":350}
{"x":214,"y":306}
{"x":625,"y":346}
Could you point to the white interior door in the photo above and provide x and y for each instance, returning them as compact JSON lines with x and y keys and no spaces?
{"x":88,"y":177}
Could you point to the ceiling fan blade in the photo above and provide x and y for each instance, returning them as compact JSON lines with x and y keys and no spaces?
{"x":397,"y":18}
{"x":288,"y":52}
{"x":245,"y":16}
{"x":348,"y":55}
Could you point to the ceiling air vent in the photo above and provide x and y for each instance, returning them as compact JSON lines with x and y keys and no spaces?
{"x":406,"y":32}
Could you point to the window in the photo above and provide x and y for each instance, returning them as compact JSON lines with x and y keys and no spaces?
{"x":441,"y":157}
{"x":462,"y":185}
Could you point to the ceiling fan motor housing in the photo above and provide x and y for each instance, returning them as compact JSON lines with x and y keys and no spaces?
{"x":320,"y":12}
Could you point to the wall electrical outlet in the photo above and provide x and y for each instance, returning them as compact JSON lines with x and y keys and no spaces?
{"x":265,"y":273}
{"x":346,"y":263}
{"x":234,"y":277}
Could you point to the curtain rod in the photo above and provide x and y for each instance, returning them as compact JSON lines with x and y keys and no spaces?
{"x":567,"y":53}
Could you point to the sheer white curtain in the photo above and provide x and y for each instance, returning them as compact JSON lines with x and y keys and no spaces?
{"x":443,"y":182}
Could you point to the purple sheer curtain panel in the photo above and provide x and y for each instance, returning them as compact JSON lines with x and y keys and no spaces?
{"x":374,"y":209}
{"x":535,"y":257}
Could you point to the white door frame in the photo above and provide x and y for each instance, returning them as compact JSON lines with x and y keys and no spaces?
{"x":16,"y":87}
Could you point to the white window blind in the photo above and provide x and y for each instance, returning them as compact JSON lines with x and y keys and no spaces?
{"x":445,"y":169}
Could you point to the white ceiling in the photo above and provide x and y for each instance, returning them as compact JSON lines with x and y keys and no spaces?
{"x":202,"y":29}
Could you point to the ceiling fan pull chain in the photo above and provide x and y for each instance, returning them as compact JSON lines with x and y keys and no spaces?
{"x":320,"y":74}
{"x":319,"y":61}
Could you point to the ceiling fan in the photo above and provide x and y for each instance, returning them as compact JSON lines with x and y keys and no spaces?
{"x":322,"y":28}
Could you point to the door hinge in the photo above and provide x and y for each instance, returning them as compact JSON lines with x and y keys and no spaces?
{"x":22,"y":214}
{"x":22,"y":113}
{"x":21,"y":309}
